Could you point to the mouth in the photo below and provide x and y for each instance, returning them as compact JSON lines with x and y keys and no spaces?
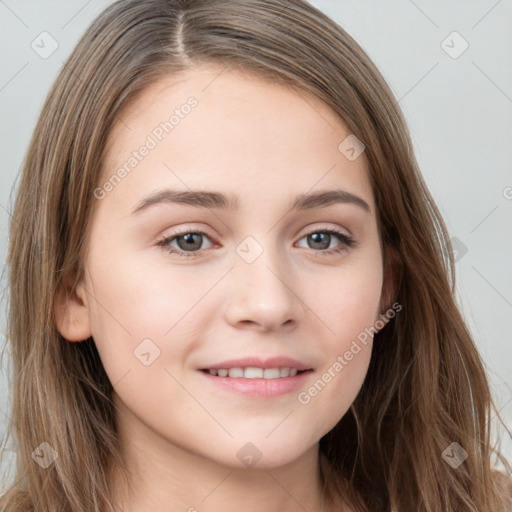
{"x":255,"y":382}
{"x":252,"y":372}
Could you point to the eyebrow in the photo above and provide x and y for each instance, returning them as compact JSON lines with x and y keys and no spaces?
{"x":218,"y":200}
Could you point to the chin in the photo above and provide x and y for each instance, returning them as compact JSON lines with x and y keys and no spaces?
{"x":266,"y":454}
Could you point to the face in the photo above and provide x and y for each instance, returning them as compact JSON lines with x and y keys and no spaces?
{"x":177,"y":283}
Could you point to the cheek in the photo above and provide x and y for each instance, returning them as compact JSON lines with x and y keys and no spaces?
{"x":347,"y":347}
{"x":328,"y":397}
{"x":142,"y":295}
{"x":141,"y":307}
{"x":349,"y":309}
{"x":349,"y":297}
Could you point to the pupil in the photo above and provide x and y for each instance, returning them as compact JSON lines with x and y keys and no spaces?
{"x":317,"y":239}
{"x":190,"y":241}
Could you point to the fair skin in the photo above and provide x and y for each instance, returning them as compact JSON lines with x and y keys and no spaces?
{"x":265,"y":144}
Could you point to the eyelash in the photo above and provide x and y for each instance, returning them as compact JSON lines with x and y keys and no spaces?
{"x":346,"y":242}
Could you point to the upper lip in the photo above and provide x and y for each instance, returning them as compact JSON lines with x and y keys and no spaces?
{"x":257,"y":362}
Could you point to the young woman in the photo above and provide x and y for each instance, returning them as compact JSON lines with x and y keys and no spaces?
{"x":230,"y":288}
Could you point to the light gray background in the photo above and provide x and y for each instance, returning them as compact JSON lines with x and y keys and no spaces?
{"x":459,"y":112}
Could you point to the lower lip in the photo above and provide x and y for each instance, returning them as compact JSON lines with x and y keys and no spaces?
{"x":264,"y":388}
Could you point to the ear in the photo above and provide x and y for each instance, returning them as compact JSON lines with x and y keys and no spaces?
{"x":71,"y":311}
{"x":391,"y":280}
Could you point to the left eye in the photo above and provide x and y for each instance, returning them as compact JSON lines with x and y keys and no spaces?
{"x":324,"y":237}
{"x":190,"y":242}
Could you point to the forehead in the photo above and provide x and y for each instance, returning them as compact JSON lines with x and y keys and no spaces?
{"x":242,"y":130}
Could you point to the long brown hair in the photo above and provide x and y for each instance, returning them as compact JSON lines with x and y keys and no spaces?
{"x":426,"y":385}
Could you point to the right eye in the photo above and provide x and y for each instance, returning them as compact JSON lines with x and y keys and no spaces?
{"x":189,"y":243}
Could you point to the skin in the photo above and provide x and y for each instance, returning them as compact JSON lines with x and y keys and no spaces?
{"x":266,"y":144}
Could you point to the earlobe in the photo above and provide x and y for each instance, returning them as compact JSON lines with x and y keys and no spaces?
{"x":71,"y":312}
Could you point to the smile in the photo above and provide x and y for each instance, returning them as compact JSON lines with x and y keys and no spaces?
{"x":254,"y":382}
{"x":254,"y":373}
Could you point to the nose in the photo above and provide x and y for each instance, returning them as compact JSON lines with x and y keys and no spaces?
{"x":262,"y":295}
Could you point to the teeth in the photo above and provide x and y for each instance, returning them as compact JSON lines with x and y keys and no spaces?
{"x":271,"y":373}
{"x":236,"y":372}
{"x":254,"y":373}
